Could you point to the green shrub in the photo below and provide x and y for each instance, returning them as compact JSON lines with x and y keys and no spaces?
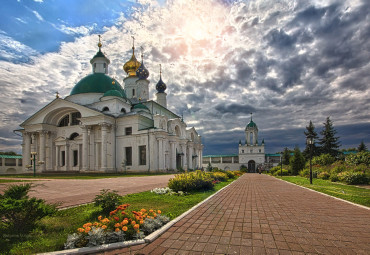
{"x":305,"y":173}
{"x":230,"y":174}
{"x":350,"y":177}
{"x":219,"y":176}
{"x":334,"y":177}
{"x":362,"y":157}
{"x":362,"y":168}
{"x":338,"y":167}
{"x":323,"y":160}
{"x":197,"y":180}
{"x":244,"y":168}
{"x":107,"y":200}
{"x":278,"y":173}
{"x":323,"y":175}
{"x":19,"y":213}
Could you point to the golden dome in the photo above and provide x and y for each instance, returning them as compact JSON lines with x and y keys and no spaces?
{"x":132,"y":65}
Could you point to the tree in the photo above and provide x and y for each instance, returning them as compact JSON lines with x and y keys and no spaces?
{"x":329,"y":143}
{"x":315,"y":150}
{"x":297,"y":162}
{"x":286,"y":156}
{"x":362,"y":146}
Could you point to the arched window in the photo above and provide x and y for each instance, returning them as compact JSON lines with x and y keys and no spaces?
{"x":123,"y":110}
{"x":105,"y":109}
{"x":64,"y":121}
{"x":75,"y":117}
{"x":133,"y":92}
{"x":177,"y":131}
{"x":73,"y":136}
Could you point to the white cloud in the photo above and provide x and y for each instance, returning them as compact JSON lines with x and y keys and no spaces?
{"x":38,"y":16}
{"x":39,"y":1}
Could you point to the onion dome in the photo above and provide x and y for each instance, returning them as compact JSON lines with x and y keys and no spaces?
{"x":97,"y":83}
{"x":142,"y":72}
{"x":132,"y":65}
{"x":113,"y":92}
{"x":251,"y":124}
{"x":161,"y":86}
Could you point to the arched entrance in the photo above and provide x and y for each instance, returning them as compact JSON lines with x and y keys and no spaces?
{"x":251,"y":166}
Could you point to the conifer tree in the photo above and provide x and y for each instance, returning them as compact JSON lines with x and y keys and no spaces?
{"x":286,"y":156}
{"x":329,"y":143}
{"x":362,"y":146}
{"x":311,"y":132}
{"x":297,"y":162}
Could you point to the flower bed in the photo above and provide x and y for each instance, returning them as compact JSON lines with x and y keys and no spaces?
{"x":118,"y":227}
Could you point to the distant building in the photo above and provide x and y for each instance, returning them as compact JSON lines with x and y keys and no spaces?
{"x":102,"y":127}
{"x":10,"y":164}
{"x":251,"y":154}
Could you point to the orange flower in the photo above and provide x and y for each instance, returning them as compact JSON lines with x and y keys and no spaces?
{"x":133,"y":222}
{"x":124,"y":228}
{"x":141,"y":222}
{"x":80,"y":230}
{"x":116,"y":218}
{"x":123,"y":213}
{"x":100,"y":217}
{"x":117,"y":229}
{"x":96,"y":223}
{"x":136,"y":226}
{"x":143,"y":210}
{"x":117,"y":225}
{"x":125,"y":222}
{"x":87,"y":230}
{"x":104,"y":227}
{"x":151,"y":210}
{"x":154,"y":215}
{"x":159,"y":211}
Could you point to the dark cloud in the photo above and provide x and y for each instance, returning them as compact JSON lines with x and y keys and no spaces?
{"x":234,"y":108}
{"x":278,"y":39}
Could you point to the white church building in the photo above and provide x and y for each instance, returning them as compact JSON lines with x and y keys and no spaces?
{"x":104,"y":127}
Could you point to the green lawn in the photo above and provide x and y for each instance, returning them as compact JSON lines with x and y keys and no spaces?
{"x":82,"y":176}
{"x":7,"y":181}
{"x":347,"y":192}
{"x":53,"y":231}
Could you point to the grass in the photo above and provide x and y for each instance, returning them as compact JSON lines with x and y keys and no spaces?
{"x":81,"y":176}
{"x":53,"y":231}
{"x":347,"y":192}
{"x":7,"y":181}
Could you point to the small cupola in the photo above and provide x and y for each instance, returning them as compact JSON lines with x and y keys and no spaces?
{"x":100,"y":62}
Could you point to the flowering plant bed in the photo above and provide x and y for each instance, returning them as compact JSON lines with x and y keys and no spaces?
{"x":121,"y":225}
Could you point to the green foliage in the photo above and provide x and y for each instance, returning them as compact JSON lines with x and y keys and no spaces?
{"x":107,"y":200}
{"x":278,"y":173}
{"x":286,"y":156}
{"x":323,"y":175}
{"x":323,"y":160}
{"x":20,"y":213}
{"x":351,"y":177}
{"x":362,"y":147}
{"x":219,"y":176}
{"x":362,"y":157}
{"x":297,"y":162}
{"x":244,"y":168}
{"x":329,"y":143}
{"x":194,"y":181}
{"x":310,"y":132}
{"x":305,"y":173}
{"x":10,"y":153}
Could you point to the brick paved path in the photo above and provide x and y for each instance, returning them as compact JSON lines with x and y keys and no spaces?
{"x":259,"y":214}
{"x":72,"y":192}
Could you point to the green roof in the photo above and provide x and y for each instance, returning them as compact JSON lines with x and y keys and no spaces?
{"x":10,"y":156}
{"x":218,"y":156}
{"x":112,"y":93}
{"x":96,"y":83}
{"x":251,"y":124}
{"x":140,"y":106}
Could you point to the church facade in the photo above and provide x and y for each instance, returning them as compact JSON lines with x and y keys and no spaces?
{"x":104,"y":127}
{"x":251,"y":154}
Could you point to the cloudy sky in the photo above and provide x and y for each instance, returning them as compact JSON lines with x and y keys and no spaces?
{"x":287,"y":61}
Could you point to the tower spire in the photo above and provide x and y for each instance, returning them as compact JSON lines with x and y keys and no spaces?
{"x":133,"y":43}
{"x":160,"y":71}
{"x":99,"y":44}
{"x":251,"y":116}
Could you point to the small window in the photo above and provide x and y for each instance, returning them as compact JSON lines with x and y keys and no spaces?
{"x":10,"y":162}
{"x":242,"y":151}
{"x":251,"y":151}
{"x":75,"y":158}
{"x":75,"y":117}
{"x":128,"y":131}
{"x":105,"y":109}
{"x":123,"y":110}
{"x":133,"y":92}
{"x":73,"y":136}
{"x":19,"y":162}
{"x":142,"y":155}
{"x":63,"y":158}
{"x":259,"y":150}
{"x":128,"y":156}
{"x":64,"y":122}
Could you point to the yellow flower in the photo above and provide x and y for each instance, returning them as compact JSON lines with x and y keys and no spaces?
{"x":124,"y":228}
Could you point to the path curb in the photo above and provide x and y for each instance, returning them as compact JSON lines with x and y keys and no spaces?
{"x":340,"y":199}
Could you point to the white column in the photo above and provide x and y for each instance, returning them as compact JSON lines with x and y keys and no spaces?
{"x":85,"y":148}
{"x":190,"y":165}
{"x":27,"y":150}
{"x":160,"y":154}
{"x":184,"y":157}
{"x":67,"y":157}
{"x":49,"y":152}
{"x":57,"y":153}
{"x":42,"y":149}
{"x":173,"y":155}
{"x":104,"y":130}
{"x":33,"y":145}
{"x":248,"y":138}
{"x":96,"y":156}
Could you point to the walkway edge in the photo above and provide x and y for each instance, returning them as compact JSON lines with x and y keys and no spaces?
{"x":340,"y":199}
{"x":148,"y":239}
